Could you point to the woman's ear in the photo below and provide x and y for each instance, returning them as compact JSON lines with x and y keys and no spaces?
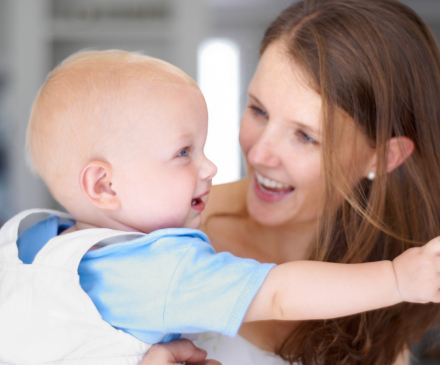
{"x":96,"y":184}
{"x":399,"y":149}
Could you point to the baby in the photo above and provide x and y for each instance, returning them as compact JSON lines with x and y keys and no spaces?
{"x":118,"y":138}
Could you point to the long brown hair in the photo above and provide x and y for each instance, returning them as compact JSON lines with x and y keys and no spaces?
{"x":378,"y":62}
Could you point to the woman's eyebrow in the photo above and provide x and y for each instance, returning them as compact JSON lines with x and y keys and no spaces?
{"x":307,"y":128}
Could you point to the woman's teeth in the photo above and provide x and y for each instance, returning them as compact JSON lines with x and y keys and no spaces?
{"x":273,"y":185}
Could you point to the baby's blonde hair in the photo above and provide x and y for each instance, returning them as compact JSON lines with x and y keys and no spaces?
{"x":75,"y":117}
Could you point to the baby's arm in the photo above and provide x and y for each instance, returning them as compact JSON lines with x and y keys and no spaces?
{"x":318,"y":290}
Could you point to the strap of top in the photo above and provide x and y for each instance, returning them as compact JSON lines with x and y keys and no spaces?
{"x":9,"y":233}
{"x":66,"y":251}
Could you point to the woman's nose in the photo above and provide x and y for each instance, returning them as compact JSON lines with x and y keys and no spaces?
{"x":264,"y":151}
{"x":208,"y":170}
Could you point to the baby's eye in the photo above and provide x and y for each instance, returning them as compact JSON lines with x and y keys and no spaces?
{"x":184,"y":152}
{"x":258,"y":111}
{"x":306,"y":138}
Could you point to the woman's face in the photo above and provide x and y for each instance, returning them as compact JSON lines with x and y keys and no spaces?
{"x":281,"y":137}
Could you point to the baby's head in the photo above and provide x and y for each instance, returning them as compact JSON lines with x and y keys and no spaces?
{"x":118,"y":138}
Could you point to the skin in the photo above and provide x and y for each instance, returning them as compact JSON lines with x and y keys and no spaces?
{"x":175,"y":352}
{"x":157,"y":176}
{"x":163,"y":154}
{"x":280,"y":137}
{"x":117,"y":129}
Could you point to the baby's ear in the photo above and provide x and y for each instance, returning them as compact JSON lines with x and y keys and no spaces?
{"x":96,"y":184}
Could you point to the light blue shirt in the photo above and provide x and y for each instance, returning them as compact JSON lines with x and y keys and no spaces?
{"x":165,"y":283}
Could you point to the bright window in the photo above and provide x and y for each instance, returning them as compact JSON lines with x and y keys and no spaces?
{"x":219,"y":80}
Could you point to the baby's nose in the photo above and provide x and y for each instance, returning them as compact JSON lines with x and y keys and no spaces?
{"x":208,"y":169}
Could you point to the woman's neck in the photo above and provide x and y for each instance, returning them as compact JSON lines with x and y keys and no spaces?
{"x":230,"y":228}
{"x":244,"y":237}
{"x":281,"y":244}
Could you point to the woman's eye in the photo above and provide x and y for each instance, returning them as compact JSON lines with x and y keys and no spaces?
{"x":184,"y":152}
{"x":306,"y":138}
{"x":258,"y":111}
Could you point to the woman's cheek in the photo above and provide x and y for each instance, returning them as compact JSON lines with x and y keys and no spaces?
{"x":248,"y":135}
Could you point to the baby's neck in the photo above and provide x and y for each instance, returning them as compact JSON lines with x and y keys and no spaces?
{"x":78,"y":227}
{"x":110,"y":224}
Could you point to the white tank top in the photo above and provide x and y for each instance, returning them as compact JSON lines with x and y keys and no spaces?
{"x":235,"y":350}
{"x":45,"y":316}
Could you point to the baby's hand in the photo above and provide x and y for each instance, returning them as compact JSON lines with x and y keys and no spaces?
{"x":418,"y":273}
{"x":181,"y":351}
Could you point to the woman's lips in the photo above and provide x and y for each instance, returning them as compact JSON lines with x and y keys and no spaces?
{"x":270,"y":194}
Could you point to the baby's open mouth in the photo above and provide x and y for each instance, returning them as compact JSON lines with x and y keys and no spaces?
{"x":272,"y":186}
{"x":196,"y":201}
{"x":198,"y":204}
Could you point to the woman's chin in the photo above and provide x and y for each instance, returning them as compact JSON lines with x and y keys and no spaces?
{"x":266,"y":214}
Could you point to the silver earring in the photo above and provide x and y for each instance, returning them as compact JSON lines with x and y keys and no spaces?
{"x":371,"y":175}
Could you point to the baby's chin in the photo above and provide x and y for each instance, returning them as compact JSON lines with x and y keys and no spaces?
{"x":194,"y":223}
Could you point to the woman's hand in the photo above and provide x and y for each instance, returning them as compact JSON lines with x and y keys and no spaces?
{"x":175,"y":352}
{"x":418,"y":273}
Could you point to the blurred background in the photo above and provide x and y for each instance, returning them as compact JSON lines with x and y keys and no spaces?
{"x":214,"y":41}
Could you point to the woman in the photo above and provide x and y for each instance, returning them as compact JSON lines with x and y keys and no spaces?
{"x":340,"y":138}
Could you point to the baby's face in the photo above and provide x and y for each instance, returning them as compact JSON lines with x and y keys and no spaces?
{"x":162,"y":175}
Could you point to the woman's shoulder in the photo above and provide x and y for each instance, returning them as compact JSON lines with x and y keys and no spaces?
{"x":227,"y":198}
{"x":222,"y":219}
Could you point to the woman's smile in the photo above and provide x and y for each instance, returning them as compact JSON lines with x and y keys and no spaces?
{"x":270,"y":190}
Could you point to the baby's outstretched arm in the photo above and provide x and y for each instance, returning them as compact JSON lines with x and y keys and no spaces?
{"x":318,"y":290}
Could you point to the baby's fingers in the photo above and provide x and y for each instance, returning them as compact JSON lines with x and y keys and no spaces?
{"x":174,"y":352}
{"x":418,"y":273}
